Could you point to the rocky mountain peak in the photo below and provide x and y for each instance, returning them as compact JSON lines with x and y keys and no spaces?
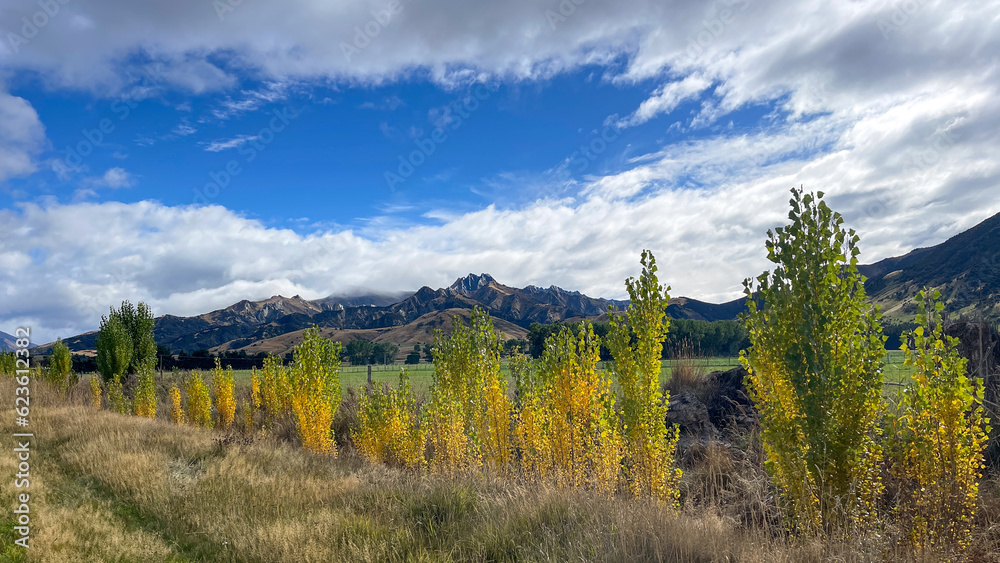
{"x":471,"y":283}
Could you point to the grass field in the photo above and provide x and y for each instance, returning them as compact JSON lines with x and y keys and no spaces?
{"x":355,"y":377}
{"x":108,"y":487}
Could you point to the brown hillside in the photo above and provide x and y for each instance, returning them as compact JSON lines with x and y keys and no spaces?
{"x":420,"y":331}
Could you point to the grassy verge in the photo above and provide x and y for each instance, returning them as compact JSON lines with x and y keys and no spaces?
{"x":108,"y":487}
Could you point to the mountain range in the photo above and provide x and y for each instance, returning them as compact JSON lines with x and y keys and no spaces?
{"x":966,"y":269}
{"x":272,"y":324}
{"x":7,"y":342}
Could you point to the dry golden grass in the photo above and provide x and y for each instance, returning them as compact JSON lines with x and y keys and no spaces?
{"x":109,"y":487}
{"x":687,"y":375}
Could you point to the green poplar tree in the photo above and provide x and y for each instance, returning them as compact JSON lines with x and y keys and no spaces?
{"x":815,"y":366}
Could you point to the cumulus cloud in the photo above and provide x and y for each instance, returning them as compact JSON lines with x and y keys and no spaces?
{"x":114,"y":178}
{"x":22,"y":136}
{"x":118,"y":178}
{"x":890,"y":110}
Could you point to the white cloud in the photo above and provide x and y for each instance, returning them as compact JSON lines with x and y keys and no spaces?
{"x":118,"y":178}
{"x":251,"y":100}
{"x":902,"y":130}
{"x":184,"y":129}
{"x":114,"y":178}
{"x":666,"y":98}
{"x":226,"y":144}
{"x":189,"y":260}
{"x":22,"y":136}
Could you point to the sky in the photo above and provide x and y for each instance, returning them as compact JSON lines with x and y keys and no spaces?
{"x":194,"y":153}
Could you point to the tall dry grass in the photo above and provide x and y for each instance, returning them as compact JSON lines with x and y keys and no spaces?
{"x":108,"y":487}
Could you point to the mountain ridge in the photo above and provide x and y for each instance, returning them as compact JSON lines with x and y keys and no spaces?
{"x":966,"y":268}
{"x":241,"y":324}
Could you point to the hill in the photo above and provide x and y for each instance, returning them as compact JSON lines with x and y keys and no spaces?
{"x":965,"y":268}
{"x":420,"y":331}
{"x":7,"y":342}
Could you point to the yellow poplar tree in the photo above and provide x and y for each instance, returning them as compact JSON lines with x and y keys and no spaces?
{"x":649,"y":444}
{"x":583,"y":434}
{"x":315,"y":390}
{"x":942,"y":431}
{"x":222,"y":387}
{"x":389,"y":431}
{"x":145,"y":395}
{"x":199,"y":402}
{"x":95,"y":392}
{"x":275,"y":389}
{"x":469,"y":416}
{"x":176,"y":412}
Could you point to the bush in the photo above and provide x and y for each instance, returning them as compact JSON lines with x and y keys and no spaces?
{"x":941,"y":432}
{"x":117,"y":401}
{"x":199,"y":402}
{"x":816,"y":370}
{"x":176,"y":411}
{"x":275,"y":389}
{"x":222,"y":388}
{"x":95,"y":392}
{"x":145,"y":395}
{"x":60,"y":367}
{"x":255,"y":393}
{"x":388,"y":429}
{"x":8,"y":363}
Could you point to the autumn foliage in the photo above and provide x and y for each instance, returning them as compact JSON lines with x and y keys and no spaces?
{"x":314,"y":383}
{"x":940,"y":435}
{"x":222,"y":388}
{"x":389,"y":430}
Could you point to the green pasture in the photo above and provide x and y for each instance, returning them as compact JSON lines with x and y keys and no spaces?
{"x":421,"y":375}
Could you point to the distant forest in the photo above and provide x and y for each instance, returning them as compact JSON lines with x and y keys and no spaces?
{"x":686,"y":338}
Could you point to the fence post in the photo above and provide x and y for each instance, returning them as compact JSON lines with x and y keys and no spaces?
{"x":369,"y":374}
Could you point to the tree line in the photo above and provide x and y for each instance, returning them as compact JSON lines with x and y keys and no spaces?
{"x":686,"y":337}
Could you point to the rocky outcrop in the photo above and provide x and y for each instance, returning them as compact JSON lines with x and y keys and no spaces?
{"x":688,"y":412}
{"x":727,"y":400}
{"x":721,"y":404}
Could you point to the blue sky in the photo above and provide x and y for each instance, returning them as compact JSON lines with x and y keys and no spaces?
{"x":255,"y":149}
{"x":330,"y":161}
